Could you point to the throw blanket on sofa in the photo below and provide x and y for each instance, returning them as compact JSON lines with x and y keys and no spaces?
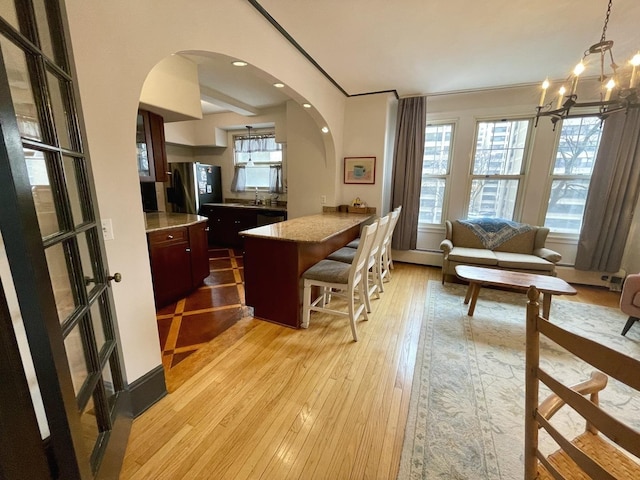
{"x":493,"y":232}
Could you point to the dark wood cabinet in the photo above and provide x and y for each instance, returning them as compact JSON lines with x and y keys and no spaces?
{"x":225,"y":222}
{"x":152,"y":154}
{"x":199,"y":246}
{"x":179,"y":261}
{"x":222,"y":226}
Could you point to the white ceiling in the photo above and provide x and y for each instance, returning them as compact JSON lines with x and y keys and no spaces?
{"x":432,"y":46}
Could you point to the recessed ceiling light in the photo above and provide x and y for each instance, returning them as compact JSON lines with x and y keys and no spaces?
{"x":278,"y":85}
{"x":306,"y":105}
{"x":239,"y":63}
{"x":325,"y":129}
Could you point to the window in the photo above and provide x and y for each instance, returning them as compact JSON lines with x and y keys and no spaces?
{"x":265,"y":155}
{"x":498,"y":168}
{"x":576,"y":154}
{"x":435,"y":172}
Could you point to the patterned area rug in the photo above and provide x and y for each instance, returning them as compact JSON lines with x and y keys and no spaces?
{"x":466,"y":417}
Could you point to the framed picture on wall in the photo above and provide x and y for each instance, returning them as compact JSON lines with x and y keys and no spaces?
{"x":360,"y":170}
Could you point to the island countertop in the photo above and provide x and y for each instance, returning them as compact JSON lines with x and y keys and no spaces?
{"x":160,"y":220}
{"x":309,"y":229}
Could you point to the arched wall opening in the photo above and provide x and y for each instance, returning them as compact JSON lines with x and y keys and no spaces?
{"x":241,"y":96}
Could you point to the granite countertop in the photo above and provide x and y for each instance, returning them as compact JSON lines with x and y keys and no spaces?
{"x":160,"y":220}
{"x":248,"y":206}
{"x":309,"y":229}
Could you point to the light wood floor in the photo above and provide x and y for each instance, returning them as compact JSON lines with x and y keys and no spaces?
{"x":267,"y":402}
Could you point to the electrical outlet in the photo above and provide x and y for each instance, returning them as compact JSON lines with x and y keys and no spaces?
{"x":323,"y":199}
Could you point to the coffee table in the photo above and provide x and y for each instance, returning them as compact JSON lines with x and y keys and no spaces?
{"x":480,"y":276}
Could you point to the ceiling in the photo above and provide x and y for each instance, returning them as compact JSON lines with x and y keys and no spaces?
{"x":429,"y":46}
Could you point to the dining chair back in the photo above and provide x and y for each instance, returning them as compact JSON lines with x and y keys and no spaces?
{"x":372,"y":280}
{"x":589,"y":455}
{"x":386,"y":262}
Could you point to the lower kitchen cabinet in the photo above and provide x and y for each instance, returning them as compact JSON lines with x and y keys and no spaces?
{"x":179,"y":261}
{"x":225,"y":222}
{"x":199,"y":252}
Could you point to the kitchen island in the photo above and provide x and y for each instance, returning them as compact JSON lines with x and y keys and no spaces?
{"x":277,"y":255}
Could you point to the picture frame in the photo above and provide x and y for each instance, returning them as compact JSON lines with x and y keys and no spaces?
{"x":360,"y":170}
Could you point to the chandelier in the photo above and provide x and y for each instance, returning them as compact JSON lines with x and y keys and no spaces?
{"x":618,"y":87}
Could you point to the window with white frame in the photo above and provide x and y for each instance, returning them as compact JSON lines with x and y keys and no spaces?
{"x":436,"y":165}
{"x":498,"y":168}
{"x":260,"y":155}
{"x":578,"y":144}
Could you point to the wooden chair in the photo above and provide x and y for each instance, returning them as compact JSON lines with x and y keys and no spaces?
{"x":333,"y":277}
{"x":386,"y":262}
{"x":372,"y":281}
{"x":589,"y":455}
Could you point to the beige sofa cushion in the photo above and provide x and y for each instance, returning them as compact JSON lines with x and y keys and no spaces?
{"x":522,"y":261}
{"x":522,"y":243}
{"x":475,"y":256}
{"x":464,"y":237}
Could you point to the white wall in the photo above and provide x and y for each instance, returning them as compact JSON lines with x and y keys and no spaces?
{"x":365,"y":134}
{"x":172,"y":90}
{"x":180,"y":154}
{"x":311,"y":172}
{"x":115,"y":45}
{"x":390,"y":139}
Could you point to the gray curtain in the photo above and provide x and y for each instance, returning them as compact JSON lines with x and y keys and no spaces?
{"x":613,"y":193}
{"x":239,"y":182}
{"x":407,"y":169}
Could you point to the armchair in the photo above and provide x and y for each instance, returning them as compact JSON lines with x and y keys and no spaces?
{"x":630,"y":300}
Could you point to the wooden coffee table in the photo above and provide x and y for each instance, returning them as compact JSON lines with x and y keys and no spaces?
{"x":479,"y":277}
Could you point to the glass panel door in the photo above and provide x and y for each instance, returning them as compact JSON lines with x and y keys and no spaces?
{"x":54,"y":247}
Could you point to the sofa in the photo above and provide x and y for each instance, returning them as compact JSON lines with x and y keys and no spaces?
{"x":497,"y":243}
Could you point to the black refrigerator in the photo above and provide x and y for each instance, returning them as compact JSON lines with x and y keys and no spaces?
{"x":193,"y":184}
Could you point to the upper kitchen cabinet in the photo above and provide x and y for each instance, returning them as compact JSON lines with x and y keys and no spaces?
{"x":152,"y":155}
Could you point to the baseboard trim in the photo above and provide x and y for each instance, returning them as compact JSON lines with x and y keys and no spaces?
{"x":147,"y":390}
{"x":420,"y":257}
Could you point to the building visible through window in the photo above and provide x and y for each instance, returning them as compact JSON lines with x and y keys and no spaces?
{"x":578,"y":144}
{"x":498,"y":168}
{"x":435,"y":172}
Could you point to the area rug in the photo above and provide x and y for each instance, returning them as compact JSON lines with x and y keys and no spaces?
{"x":466,"y":417}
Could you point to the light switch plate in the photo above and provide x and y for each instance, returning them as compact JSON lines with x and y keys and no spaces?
{"x":107,"y":229}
